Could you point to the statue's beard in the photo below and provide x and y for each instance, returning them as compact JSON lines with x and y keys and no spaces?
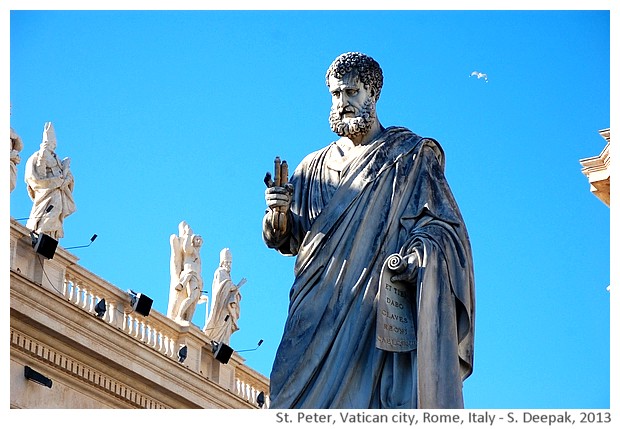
{"x":353,"y":127}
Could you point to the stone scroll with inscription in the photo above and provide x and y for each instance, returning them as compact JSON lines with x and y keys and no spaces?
{"x":395,"y":322}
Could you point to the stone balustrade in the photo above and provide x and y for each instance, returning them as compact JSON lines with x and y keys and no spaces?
{"x":156,"y":330}
{"x":249,"y":385}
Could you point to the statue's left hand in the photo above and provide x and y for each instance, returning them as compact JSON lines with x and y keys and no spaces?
{"x":410,"y":272}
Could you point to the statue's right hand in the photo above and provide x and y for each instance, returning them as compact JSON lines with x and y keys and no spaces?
{"x":278,"y":199}
{"x":279,"y":196}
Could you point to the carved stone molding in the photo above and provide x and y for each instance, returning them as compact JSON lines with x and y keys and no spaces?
{"x":81,"y":372}
{"x":596,"y":169}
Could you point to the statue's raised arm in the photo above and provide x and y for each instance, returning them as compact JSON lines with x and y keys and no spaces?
{"x":278,"y":195}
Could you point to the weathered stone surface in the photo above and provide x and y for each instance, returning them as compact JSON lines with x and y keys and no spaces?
{"x":185,"y":274}
{"x":50,"y":184}
{"x":373,"y":193}
{"x":225,"y":303}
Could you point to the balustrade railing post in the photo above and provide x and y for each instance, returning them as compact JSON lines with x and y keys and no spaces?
{"x":128,"y":323}
{"x":65,"y":291}
{"x":172,"y":347}
{"x":92,"y":301}
{"x":109,"y":314}
{"x":71,"y":289}
{"x":76,"y":297}
{"x":153,"y":338}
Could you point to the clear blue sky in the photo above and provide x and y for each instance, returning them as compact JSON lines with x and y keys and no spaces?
{"x":177,"y":115}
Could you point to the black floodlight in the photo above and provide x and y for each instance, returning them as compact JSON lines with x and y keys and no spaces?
{"x":43,"y":244}
{"x":92,"y":239}
{"x":250,"y":350}
{"x":37,"y":377}
{"x":100,"y":308}
{"x":222,"y":352}
{"x":140,"y":303}
{"x":182,"y":353}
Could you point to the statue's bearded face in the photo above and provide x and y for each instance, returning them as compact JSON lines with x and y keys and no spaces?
{"x":353,"y":106}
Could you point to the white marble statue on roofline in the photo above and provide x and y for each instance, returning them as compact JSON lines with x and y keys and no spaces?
{"x":50,"y":183}
{"x":185,"y":274}
{"x":381,"y":311}
{"x":223,"y":318}
{"x":16,"y":146}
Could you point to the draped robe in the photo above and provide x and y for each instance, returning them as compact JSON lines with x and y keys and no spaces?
{"x":391,"y":197}
{"x":226,"y":300}
{"x":49,"y":183}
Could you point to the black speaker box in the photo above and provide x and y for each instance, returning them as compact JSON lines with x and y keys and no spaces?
{"x":45,"y":246}
{"x":223,"y":352}
{"x":142,"y":304}
{"x":37,"y":377}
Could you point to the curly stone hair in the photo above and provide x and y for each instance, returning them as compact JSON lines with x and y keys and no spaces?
{"x":368,"y":69}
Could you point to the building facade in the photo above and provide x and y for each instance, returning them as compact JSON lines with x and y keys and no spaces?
{"x":66,"y":352}
{"x":596,"y":169}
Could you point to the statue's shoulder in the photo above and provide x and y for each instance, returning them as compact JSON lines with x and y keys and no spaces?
{"x":30,"y":171}
{"x":409,"y":140}
{"x":402,"y":133}
{"x":317,"y":155}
